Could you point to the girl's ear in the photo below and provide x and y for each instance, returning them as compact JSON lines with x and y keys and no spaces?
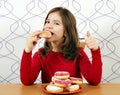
{"x":64,"y":34}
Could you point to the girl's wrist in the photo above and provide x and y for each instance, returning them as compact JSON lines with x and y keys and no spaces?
{"x":96,"y":48}
{"x":27,"y":49}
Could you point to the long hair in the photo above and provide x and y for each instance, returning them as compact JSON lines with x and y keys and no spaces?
{"x":69,"y":46}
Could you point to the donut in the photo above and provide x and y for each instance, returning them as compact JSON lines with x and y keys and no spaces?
{"x":61,"y":74}
{"x":53,"y":79}
{"x":73,"y":87}
{"x":54,"y":89}
{"x":46,"y":34}
{"x":75,"y":80}
{"x":62,"y":83}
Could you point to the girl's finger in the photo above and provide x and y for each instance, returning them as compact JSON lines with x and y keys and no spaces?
{"x":88,"y":34}
{"x":36,"y":33}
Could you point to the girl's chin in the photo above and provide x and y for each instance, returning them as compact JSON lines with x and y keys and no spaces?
{"x":49,"y":40}
{"x":53,"y":40}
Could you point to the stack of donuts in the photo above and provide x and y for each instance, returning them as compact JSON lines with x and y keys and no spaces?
{"x":61,"y":81}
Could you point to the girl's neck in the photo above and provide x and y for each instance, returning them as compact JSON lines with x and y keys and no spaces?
{"x":55,"y":47}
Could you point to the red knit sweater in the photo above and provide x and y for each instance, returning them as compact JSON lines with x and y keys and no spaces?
{"x":31,"y":67}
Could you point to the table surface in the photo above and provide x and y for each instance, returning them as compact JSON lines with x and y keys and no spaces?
{"x":37,"y":89}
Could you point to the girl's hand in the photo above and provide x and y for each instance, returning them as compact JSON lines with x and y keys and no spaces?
{"x":32,"y":40}
{"x":91,"y":42}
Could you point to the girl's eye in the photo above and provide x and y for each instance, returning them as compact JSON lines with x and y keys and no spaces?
{"x":57,"y":23}
{"x":47,"y":21}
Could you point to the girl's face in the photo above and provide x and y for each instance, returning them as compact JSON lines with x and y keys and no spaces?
{"x":54,"y":24}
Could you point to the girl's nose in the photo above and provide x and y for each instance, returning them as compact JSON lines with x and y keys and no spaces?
{"x":50,"y":26}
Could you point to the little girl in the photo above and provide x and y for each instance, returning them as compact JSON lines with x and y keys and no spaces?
{"x":61,"y":51}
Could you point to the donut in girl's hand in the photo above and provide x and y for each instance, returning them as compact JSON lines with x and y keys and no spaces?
{"x":61,"y":74}
{"x":54,"y":89}
{"x":62,"y":83}
{"x":45,"y":34}
{"x":75,"y":80}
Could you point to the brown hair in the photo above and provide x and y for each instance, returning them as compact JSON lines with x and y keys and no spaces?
{"x":69,"y":47}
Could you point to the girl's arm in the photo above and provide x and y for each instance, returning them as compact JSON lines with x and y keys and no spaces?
{"x":92,"y":71}
{"x":30,"y":68}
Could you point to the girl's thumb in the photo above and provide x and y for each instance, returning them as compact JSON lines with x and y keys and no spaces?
{"x":88,"y":34}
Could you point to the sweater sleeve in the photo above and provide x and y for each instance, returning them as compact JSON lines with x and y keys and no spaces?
{"x":92,"y":71}
{"x":29,"y":68}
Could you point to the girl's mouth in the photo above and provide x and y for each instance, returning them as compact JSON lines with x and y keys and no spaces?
{"x":52,"y":33}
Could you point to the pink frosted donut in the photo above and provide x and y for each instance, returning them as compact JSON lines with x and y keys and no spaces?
{"x":61,"y":74}
{"x":62,"y":83}
{"x":76,"y":80}
{"x":53,"y":79}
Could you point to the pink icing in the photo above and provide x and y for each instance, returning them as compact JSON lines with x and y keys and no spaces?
{"x":76,"y":79}
{"x":65,"y":82}
{"x":61,"y":73}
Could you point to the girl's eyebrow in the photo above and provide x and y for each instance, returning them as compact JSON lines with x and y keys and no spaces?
{"x":55,"y":20}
